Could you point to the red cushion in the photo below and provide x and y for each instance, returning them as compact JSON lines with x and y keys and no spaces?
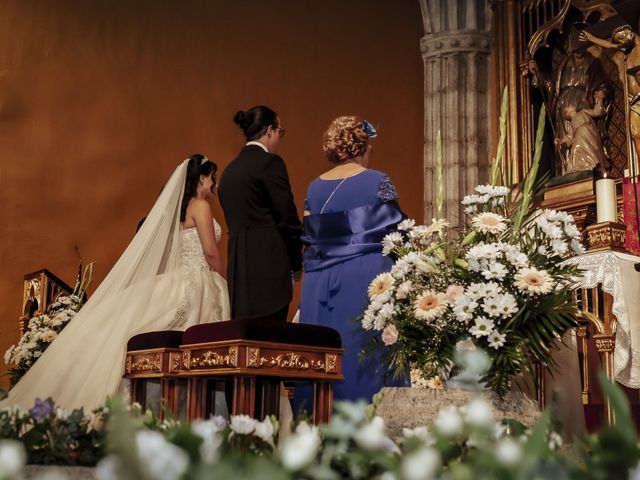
{"x":263,"y":330}
{"x":161,"y":339}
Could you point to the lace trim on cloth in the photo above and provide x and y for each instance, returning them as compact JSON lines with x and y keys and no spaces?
{"x":386,"y":190}
{"x":604,"y":269}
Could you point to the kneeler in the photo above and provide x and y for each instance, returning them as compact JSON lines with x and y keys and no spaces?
{"x":152,"y":365}
{"x":252,"y":357}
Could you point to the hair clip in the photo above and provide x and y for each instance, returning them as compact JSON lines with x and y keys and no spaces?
{"x":204,"y":160}
{"x":369,"y":129}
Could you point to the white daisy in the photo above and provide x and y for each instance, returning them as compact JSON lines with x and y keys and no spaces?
{"x":430,"y":305}
{"x":533,"y":281}
{"x":517,"y":258}
{"x":406,"y":224}
{"x":391,"y":241}
{"x":577,"y":247}
{"x":506,"y":304}
{"x":495,"y":271}
{"x":490,"y":289}
{"x":482,"y":327}
{"x":559,"y":247}
{"x":404,"y":289}
{"x":381,"y":284}
{"x":572,"y":231}
{"x":464,"y":308}
{"x":489,"y":222}
{"x":496,"y":339}
{"x":437,"y":226}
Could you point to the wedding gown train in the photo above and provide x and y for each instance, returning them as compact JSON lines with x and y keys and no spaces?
{"x":85,"y":363}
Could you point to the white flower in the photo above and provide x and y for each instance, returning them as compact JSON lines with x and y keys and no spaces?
{"x":496,"y":339}
{"x":483,"y":251}
{"x":437,"y":226}
{"x":12,"y":459}
{"x":430,"y":305}
{"x":464,"y":308}
{"x":496,"y":271}
{"x":478,"y":413}
{"x":391,"y":241}
{"x":489,"y":222}
{"x":577,"y":247}
{"x":406,"y":224}
{"x":163,"y":460}
{"x":559,"y":247}
{"x":572,"y":231}
{"x":401,"y":268}
{"x":500,"y":305}
{"x":422,"y":464}
{"x":49,"y":336}
{"x":482,"y":327}
{"x":421,"y":432}
{"x":490,"y":289}
{"x":243,"y":424}
{"x":508,"y":452}
{"x":209,"y":431}
{"x":390,"y":335}
{"x":493,"y":190}
{"x":555,"y":441}
{"x":449,"y":422}
{"x":517,"y":258}
{"x":533,"y":281}
{"x":404,"y":289}
{"x":381,"y":284}
{"x":368,"y":319}
{"x":470,"y":210}
{"x":425,"y":265}
{"x":371,"y":436}
{"x":61,"y":414}
{"x":300,"y":449}
{"x":386,"y":311}
{"x":107,"y":468}
{"x":264,"y":430}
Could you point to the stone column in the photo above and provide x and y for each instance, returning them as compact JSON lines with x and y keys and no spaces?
{"x":455,"y":51}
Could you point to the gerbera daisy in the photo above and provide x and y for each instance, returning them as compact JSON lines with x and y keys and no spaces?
{"x":380,"y":285}
{"x":489,"y":222}
{"x":533,"y":281}
{"x":430,"y":305}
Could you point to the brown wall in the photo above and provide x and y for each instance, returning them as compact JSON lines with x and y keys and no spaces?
{"x":101,"y":99}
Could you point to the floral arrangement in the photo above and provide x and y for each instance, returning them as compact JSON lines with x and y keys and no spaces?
{"x":43,"y":329}
{"x":502,"y":284}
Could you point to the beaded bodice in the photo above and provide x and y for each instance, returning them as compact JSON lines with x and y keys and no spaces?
{"x":191,"y":255}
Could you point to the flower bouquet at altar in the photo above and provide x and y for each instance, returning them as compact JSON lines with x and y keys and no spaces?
{"x":500,"y":284}
{"x":43,"y":329}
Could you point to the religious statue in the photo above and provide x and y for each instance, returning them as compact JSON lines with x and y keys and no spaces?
{"x":620,"y":37}
{"x":583,"y":138}
{"x":578,"y":84}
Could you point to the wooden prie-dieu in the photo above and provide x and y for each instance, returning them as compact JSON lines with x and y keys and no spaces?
{"x":182,"y":372}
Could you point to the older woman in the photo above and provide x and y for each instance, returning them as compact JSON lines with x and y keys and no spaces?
{"x":348,"y":210}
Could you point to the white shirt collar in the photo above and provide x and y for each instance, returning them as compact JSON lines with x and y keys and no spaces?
{"x":253,"y":142}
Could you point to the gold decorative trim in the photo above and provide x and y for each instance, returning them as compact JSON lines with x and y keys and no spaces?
{"x":605,"y":344}
{"x":127,"y":365}
{"x":214,"y":359}
{"x":186,"y":359}
{"x":175,"y":360}
{"x":606,"y":236}
{"x":145,"y":364}
{"x":330,"y":360}
{"x":253,"y":357}
{"x":292,"y":361}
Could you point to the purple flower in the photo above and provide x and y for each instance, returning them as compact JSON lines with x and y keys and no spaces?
{"x":42,"y":409}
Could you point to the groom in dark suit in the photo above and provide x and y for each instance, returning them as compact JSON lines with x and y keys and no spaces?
{"x":265,"y":252}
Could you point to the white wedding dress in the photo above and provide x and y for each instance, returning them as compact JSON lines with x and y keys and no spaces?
{"x":161,"y":282}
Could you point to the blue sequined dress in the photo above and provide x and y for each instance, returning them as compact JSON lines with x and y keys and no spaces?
{"x":348,"y":219}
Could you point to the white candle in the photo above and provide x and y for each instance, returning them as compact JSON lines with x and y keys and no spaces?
{"x":606,"y":210}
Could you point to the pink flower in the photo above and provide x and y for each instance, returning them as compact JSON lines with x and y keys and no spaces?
{"x":454,"y":291}
{"x":390,"y":335}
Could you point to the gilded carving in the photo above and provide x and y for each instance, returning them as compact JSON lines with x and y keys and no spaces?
{"x":292,"y":361}
{"x":174,"y":362}
{"x":331,"y":363}
{"x":253,"y":356}
{"x":606,"y":235}
{"x":214,"y":359}
{"x":186,"y":359}
{"x":127,"y":365}
{"x":605,"y":344}
{"x":145,"y":364}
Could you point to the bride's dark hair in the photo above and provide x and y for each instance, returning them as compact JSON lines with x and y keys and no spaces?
{"x":198,"y":165}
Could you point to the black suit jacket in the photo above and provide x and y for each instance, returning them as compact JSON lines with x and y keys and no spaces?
{"x":264,"y":233}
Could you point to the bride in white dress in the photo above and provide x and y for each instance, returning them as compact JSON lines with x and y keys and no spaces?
{"x":169,"y":278}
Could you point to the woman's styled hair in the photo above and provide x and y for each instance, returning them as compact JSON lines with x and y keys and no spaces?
{"x":345,"y":139}
{"x":255,"y":121}
{"x":198,"y":165}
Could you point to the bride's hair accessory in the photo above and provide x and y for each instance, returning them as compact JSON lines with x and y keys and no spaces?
{"x":369,"y":129}
{"x":204,"y":160}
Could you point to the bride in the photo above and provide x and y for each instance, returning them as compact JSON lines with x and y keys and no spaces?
{"x":169,"y":278}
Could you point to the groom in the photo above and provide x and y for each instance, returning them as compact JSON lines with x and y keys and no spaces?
{"x":265,"y":251}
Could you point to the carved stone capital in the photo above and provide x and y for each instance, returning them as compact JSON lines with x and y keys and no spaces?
{"x":461,"y":41}
{"x":606,"y":236}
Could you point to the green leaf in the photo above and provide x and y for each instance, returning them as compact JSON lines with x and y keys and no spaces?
{"x":496,"y":166}
{"x":439,"y":178}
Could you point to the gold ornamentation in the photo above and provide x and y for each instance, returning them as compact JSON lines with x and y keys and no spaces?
{"x":127,"y":365}
{"x":145,"y":364}
{"x":214,"y":359}
{"x":606,"y":236}
{"x":605,"y":344}
{"x":174,"y":361}
{"x":292,"y":361}
{"x":331,"y":363}
{"x":186,"y":359}
{"x":253,"y":355}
